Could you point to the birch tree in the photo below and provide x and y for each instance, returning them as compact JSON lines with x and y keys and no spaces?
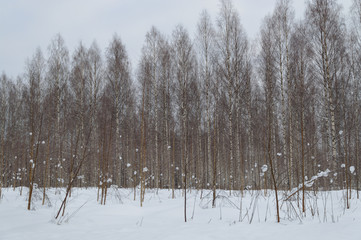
{"x":268,"y":73}
{"x":57,"y":82}
{"x":206,"y":41}
{"x":325,"y":32}
{"x":283,"y":19}
{"x":232,"y":47}
{"x":118,"y":77}
{"x":35,"y":77}
{"x":184,"y":61}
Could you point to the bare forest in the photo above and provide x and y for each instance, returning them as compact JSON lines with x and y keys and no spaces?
{"x":210,"y":111}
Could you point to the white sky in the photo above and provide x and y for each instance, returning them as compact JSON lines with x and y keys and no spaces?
{"x":28,"y":24}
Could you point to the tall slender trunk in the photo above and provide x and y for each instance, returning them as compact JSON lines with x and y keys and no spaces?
{"x":283,"y":105}
{"x":346,"y":165}
{"x":173,"y":165}
{"x":2,"y":159}
{"x":185,"y":158}
{"x":249,"y":121}
{"x":209,"y":138}
{"x":270,"y":133}
{"x":34,"y":157}
{"x":143,"y":151}
{"x":198,"y":161}
{"x":117,"y":137}
{"x":271,"y":164}
{"x":331,"y":107}
{"x":289,"y":100}
{"x":156,"y":172}
{"x":230,"y":135}
{"x":58,"y":125}
{"x":303,"y":158}
{"x":31,"y":170}
{"x":356,"y":160}
{"x":326,"y":127}
{"x":167,"y":148}
{"x":2,"y":149}
{"x":215,"y":144}
{"x":99,"y":167}
{"x":46,"y":172}
{"x":240,"y":164}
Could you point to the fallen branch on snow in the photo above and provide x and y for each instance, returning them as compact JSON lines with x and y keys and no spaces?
{"x":308,"y":183}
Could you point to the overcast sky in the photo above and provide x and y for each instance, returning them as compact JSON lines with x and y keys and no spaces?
{"x":28,"y":24}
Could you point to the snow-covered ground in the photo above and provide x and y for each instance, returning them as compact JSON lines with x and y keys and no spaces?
{"x":161,"y":217}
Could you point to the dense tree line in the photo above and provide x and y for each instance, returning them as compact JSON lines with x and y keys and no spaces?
{"x":210,"y":112}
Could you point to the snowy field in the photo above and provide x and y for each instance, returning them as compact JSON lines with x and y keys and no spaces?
{"x":161,"y":217}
